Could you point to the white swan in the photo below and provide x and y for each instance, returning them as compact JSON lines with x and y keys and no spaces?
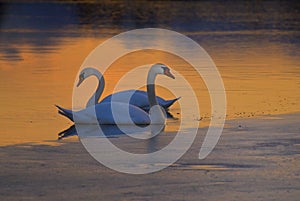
{"x":134,"y":97}
{"x":104,"y":114}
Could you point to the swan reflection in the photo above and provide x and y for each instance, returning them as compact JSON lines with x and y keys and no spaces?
{"x":153,"y":136}
{"x":109,"y":130}
{"x":94,"y":131}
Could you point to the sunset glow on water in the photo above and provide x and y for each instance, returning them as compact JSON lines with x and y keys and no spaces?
{"x":257,"y":57}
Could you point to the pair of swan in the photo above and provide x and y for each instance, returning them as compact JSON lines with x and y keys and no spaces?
{"x":138,"y":102}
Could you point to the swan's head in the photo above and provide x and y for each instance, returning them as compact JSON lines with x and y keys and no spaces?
{"x":162,"y":69}
{"x":81,"y":78}
{"x":86,"y":73}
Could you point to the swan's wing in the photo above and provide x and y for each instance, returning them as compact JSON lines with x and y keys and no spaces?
{"x":134,"y":97}
{"x":138,"y":98}
{"x":161,"y":101}
{"x":167,"y":103}
{"x":106,"y":115}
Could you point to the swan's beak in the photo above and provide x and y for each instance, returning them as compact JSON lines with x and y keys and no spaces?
{"x":79,"y":82}
{"x":169,"y":74}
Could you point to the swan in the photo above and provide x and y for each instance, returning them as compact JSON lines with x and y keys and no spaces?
{"x":104,"y":109}
{"x":138,"y":98}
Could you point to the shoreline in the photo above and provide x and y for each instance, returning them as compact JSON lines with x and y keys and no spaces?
{"x":205,"y":125}
{"x":254,"y":159}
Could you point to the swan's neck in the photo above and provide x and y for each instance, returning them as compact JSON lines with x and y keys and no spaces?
{"x":101,"y":83}
{"x":156,"y":114}
{"x":151,"y":88}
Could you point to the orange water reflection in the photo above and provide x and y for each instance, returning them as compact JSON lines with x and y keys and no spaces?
{"x":261,"y":80}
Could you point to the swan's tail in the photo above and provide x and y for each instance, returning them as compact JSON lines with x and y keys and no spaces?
{"x":168,"y":103}
{"x":65,"y":112}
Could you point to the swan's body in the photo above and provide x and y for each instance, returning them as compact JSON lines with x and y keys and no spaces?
{"x":104,"y":113}
{"x":138,"y":98}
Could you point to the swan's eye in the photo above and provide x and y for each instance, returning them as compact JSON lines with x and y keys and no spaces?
{"x":81,"y":76}
{"x":165,"y":69}
{"x":167,"y":72}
